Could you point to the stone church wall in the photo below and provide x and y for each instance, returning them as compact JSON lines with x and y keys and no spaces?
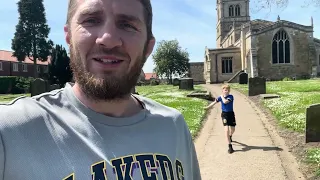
{"x":196,"y":72}
{"x":300,"y":65}
{"x":216,"y":75}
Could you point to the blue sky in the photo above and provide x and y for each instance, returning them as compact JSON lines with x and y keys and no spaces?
{"x":191,"y":22}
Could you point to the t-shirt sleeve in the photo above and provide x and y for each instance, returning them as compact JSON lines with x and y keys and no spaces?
{"x":2,"y":158}
{"x":230,"y":98}
{"x":219,"y":99}
{"x":195,"y":164}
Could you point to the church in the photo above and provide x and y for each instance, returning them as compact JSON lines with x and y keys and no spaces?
{"x":260,"y":48}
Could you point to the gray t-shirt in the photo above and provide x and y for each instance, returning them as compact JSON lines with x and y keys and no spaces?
{"x":53,"y":136}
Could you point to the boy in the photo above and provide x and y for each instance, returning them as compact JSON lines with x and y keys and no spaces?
{"x":227,"y":114}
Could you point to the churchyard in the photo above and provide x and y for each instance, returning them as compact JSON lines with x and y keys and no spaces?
{"x":288,"y":112}
{"x":172,"y":96}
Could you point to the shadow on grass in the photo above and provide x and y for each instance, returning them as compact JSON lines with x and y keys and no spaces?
{"x":264,"y":148}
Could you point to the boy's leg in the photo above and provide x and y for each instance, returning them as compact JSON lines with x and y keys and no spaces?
{"x":227,"y":132}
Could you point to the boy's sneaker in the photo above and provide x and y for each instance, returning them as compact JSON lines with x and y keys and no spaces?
{"x":230,"y":150}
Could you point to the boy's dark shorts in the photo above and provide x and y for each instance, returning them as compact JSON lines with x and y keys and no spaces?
{"x":228,"y":118}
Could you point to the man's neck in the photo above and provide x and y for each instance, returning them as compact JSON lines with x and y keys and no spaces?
{"x":125,"y":107}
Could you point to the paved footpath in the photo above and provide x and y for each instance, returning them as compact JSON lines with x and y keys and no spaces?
{"x":260,"y":154}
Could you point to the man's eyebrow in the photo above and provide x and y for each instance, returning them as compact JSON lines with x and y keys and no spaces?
{"x":90,"y":12}
{"x":130,"y":18}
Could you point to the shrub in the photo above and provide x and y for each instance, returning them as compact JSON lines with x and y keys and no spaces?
{"x":154,"y":82}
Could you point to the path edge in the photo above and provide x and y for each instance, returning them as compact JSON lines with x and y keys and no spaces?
{"x":288,"y":160}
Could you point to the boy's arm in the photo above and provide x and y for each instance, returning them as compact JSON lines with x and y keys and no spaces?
{"x":226,"y":100}
{"x":213,"y":103}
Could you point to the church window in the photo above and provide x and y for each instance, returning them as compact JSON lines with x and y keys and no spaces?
{"x":226,"y":65}
{"x":237,"y":9}
{"x":280,"y":48}
{"x":231,"y":11}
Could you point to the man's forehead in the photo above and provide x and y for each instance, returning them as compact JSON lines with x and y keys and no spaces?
{"x":129,"y":7}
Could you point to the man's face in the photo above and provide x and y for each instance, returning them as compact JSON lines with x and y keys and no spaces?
{"x":108,"y":46}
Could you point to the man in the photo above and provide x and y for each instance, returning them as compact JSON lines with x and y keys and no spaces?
{"x":95,"y":128}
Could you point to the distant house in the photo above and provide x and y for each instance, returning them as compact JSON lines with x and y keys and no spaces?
{"x":10,"y":66}
{"x":149,"y":76}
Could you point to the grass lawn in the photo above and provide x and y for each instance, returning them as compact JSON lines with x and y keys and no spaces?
{"x":290,"y":109}
{"x":9,"y":97}
{"x":191,"y":108}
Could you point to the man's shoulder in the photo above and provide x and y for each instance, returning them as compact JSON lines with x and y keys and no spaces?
{"x":26,"y":108}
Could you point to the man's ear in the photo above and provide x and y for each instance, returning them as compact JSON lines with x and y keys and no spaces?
{"x":67,"y":34}
{"x":150,"y":46}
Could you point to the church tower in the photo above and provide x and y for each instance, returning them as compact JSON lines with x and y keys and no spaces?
{"x":230,"y":13}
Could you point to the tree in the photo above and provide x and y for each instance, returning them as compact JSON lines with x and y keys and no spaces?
{"x":59,"y":68}
{"x":263,"y":4}
{"x":170,"y":59}
{"x":31,"y":36}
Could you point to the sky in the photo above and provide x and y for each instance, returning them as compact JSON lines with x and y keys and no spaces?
{"x":191,"y":22}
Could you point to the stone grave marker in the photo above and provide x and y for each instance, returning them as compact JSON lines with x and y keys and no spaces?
{"x":54,"y":87}
{"x":313,"y":123}
{"x":175,"y":82}
{"x":38,"y":86}
{"x":257,"y":86}
{"x":186,"y":83}
{"x":243,"y":78}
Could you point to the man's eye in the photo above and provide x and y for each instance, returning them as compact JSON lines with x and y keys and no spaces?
{"x":127,"y":26}
{"x":92,"y":21}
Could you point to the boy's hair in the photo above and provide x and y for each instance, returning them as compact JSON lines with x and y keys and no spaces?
{"x":226,"y":86}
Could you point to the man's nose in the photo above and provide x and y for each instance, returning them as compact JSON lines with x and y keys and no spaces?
{"x":109,"y":36}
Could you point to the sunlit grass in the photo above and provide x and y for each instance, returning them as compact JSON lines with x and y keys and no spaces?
{"x":191,"y":108}
{"x":290,"y":109}
{"x":9,"y":97}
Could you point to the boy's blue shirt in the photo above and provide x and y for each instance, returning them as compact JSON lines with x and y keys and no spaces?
{"x":226,"y":107}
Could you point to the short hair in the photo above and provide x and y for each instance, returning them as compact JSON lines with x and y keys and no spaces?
{"x":226,"y":86}
{"x":148,"y":15}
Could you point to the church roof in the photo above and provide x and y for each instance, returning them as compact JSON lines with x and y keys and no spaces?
{"x":259,"y":23}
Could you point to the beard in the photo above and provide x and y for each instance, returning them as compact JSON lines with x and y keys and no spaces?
{"x":109,"y":87}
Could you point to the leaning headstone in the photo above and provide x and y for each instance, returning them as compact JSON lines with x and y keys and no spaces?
{"x":38,"y":86}
{"x":186,"y":83}
{"x":243,"y":78}
{"x":313,"y":123}
{"x":257,"y":86}
{"x":175,"y":82}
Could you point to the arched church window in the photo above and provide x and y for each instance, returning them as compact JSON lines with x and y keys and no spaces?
{"x":280,"y":48}
{"x":237,"y":10}
{"x":231,"y":11}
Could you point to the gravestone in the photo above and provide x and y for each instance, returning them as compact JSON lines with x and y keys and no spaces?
{"x":54,"y":87}
{"x":313,"y":123}
{"x":243,"y":78}
{"x":257,"y":86}
{"x":186,"y":83}
{"x":175,"y":82}
{"x":38,"y":86}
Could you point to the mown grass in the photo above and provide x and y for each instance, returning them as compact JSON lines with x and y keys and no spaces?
{"x":313,"y":156}
{"x":290,"y":109}
{"x":9,"y":97}
{"x":191,"y":108}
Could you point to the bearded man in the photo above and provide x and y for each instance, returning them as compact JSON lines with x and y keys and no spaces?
{"x":95,"y":128}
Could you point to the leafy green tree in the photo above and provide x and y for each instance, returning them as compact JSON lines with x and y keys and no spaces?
{"x":31,"y":36}
{"x":170,"y":59}
{"x":59,"y":68}
{"x":263,"y":4}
